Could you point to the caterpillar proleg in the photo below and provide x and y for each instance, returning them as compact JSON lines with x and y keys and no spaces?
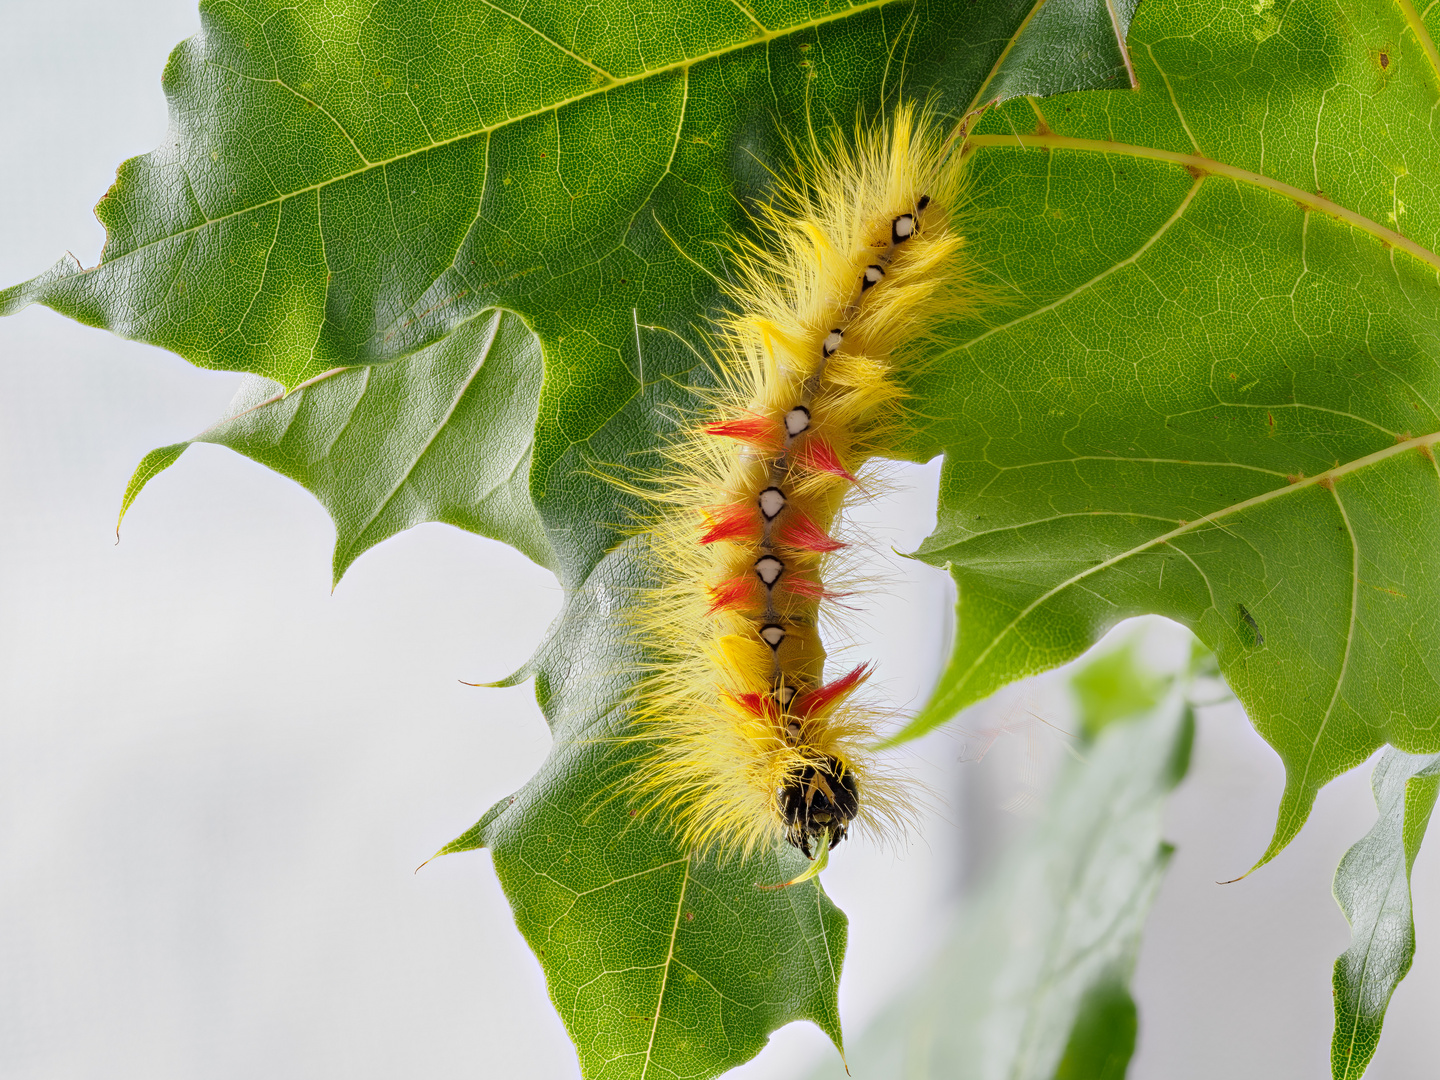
{"x":857,"y":259}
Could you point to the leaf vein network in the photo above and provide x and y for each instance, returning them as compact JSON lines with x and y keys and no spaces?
{"x":1349,"y":640}
{"x":548,"y":39}
{"x":1210,"y":588}
{"x":350,"y":416}
{"x":1220,"y":403}
{"x":682,"y":65}
{"x":825,"y":937}
{"x":264,"y":273}
{"x":714,"y":989}
{"x":409,"y":469}
{"x":1174,"y":101}
{"x":1142,"y":461}
{"x":1101,"y":276}
{"x":308,"y":100}
{"x":162,"y":295}
{"x":629,"y":877}
{"x":1214,"y":518}
{"x":1219,"y":168}
{"x":1004,"y":54}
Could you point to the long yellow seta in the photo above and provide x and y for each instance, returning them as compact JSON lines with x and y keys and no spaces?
{"x":858,"y":258}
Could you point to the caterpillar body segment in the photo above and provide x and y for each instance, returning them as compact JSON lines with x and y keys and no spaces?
{"x":859,"y":258}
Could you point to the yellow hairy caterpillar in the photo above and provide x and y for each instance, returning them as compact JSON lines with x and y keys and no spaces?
{"x":858,"y":259}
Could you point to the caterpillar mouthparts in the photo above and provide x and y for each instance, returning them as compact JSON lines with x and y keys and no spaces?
{"x":858,"y":259}
{"x":818,"y":803}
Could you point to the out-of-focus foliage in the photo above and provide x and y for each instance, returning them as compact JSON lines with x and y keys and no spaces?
{"x":1033,"y":983}
{"x":1372,"y":887}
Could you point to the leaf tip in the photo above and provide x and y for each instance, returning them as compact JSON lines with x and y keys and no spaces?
{"x":340,"y":561}
{"x":152,"y":464}
{"x":515,"y":678}
{"x":472,"y":838}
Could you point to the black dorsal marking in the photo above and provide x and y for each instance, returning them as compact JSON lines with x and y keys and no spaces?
{"x":871,"y":276}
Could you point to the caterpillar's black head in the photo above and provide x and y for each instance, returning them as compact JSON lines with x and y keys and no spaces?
{"x":820,"y":798}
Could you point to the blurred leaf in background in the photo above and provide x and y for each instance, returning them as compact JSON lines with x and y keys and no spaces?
{"x":1372,"y":886}
{"x":1034,"y":981}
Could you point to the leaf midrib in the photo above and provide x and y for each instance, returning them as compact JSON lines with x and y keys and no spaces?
{"x":1113,"y":268}
{"x":665,"y":971}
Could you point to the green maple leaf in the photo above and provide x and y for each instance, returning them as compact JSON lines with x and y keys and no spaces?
{"x":1214,"y":394}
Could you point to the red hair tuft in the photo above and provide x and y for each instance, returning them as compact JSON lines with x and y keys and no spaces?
{"x":817,"y":455}
{"x":738,"y":521}
{"x":824,"y":697}
{"x":761,"y":706}
{"x":800,"y":532}
{"x":752,"y":429}
{"x":733,"y":592}
{"x":813,"y":590}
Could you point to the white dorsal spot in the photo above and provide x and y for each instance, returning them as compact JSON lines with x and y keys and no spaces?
{"x":786,"y":694}
{"x":903,"y":227}
{"x":797,"y":420}
{"x":772,"y":635}
{"x":872,"y":276}
{"x":772,"y":500}
{"x":768,"y":569}
{"x":832,"y":342}
{"x":793,"y":729}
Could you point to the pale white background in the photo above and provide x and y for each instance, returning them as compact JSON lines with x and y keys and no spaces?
{"x":216,"y":777}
